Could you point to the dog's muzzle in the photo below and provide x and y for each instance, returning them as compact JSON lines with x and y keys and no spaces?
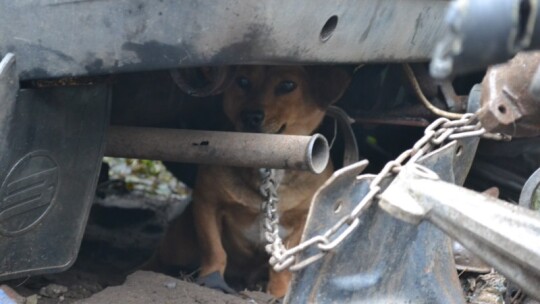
{"x":252,"y":120}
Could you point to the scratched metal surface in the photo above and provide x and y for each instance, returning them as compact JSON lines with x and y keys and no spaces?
{"x":53,"y":38}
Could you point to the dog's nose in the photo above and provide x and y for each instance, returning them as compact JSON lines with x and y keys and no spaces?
{"x":253,"y":119}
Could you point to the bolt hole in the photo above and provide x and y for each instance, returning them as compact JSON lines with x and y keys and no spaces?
{"x":337,"y":206}
{"x":502,"y":109}
{"x":425,"y":172}
{"x":328,"y":28}
{"x":459,"y":150}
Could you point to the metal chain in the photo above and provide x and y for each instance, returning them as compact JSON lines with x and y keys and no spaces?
{"x":268,"y":190}
{"x":281,"y":258}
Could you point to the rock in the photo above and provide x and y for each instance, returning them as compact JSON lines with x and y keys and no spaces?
{"x":53,"y":291}
{"x":9,"y":296}
{"x":33,"y":299}
{"x":170,"y":284}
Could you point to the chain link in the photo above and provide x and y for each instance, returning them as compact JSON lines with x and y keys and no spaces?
{"x":438,"y":132}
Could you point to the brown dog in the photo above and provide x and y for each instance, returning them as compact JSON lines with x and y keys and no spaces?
{"x":226,"y":209}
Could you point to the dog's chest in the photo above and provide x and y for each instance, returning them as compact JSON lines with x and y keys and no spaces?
{"x":255,"y":232}
{"x":245,"y":196}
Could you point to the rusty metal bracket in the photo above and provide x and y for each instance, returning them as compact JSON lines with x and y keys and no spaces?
{"x":508,"y":106}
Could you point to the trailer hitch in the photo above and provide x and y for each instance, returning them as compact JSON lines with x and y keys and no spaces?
{"x":506,"y":236}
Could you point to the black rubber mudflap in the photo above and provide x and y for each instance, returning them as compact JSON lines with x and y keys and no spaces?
{"x":51,"y":147}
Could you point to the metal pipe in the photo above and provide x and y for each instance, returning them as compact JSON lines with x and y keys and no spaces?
{"x":310,"y":153}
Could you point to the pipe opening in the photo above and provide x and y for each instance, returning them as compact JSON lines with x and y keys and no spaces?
{"x":318,"y":153}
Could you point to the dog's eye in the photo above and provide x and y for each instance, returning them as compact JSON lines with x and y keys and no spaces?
{"x":243,"y":83}
{"x":285,"y":87}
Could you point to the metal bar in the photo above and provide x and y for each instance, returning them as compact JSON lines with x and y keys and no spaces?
{"x":220,"y":148}
{"x":506,"y":236}
{"x":57,"y":38}
{"x":9,"y":86}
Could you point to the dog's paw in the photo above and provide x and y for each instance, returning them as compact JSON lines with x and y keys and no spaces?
{"x":215,"y":281}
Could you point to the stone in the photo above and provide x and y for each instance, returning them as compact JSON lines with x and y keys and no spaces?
{"x":53,"y":291}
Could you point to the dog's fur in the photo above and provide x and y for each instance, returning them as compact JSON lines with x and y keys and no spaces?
{"x":225,"y":214}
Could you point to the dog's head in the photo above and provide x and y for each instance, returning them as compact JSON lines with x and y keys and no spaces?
{"x":282,"y":99}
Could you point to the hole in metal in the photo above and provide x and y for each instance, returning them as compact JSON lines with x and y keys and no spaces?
{"x":328,"y":28}
{"x":459,"y":150}
{"x":337,"y":206}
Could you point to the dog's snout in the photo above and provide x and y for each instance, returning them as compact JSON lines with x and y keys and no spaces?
{"x":253,"y":119}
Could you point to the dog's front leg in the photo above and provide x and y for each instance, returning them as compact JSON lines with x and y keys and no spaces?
{"x":213,"y":256}
{"x":279,"y":282}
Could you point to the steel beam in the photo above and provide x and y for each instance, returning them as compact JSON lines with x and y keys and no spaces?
{"x":56,"y":38}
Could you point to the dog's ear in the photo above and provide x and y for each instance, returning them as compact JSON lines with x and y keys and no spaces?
{"x":327,"y":84}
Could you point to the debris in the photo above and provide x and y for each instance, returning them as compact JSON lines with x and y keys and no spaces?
{"x":147,"y":177}
{"x":170,"y":284}
{"x":83,"y":290}
{"x":488,"y":289}
{"x":33,"y":299}
{"x":53,"y":291}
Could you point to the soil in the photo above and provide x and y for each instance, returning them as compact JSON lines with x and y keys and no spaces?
{"x":150,"y":287}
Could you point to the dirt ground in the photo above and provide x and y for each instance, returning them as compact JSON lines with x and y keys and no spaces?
{"x":149,"y":287}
